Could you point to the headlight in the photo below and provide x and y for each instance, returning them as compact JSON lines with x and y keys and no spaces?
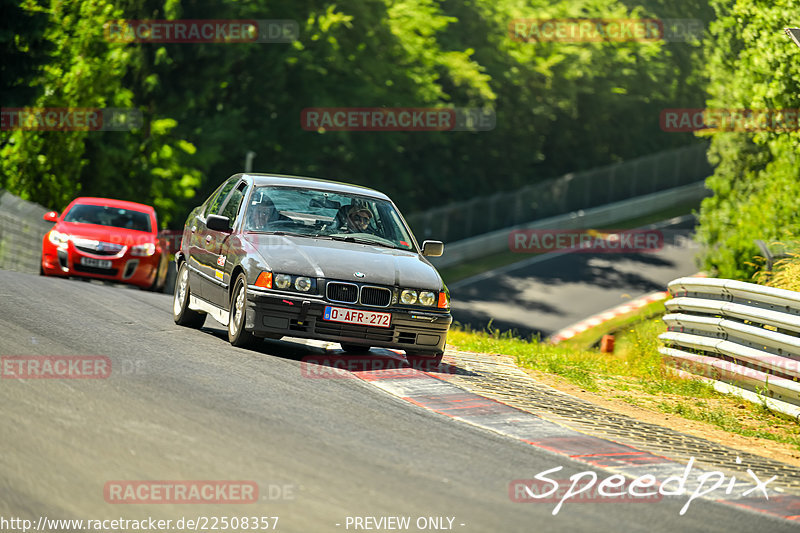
{"x":302,"y":284}
{"x":58,"y":238}
{"x":283,"y":281}
{"x":143,"y":250}
{"x":408,"y":297}
{"x":427,"y":298}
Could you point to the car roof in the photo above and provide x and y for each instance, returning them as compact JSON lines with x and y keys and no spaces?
{"x":123,"y":204}
{"x":313,"y":183}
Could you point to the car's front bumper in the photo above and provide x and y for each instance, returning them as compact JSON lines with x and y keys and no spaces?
{"x":417,"y":331}
{"x":124,"y":268}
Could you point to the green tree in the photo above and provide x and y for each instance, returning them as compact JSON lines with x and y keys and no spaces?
{"x":85,"y":70}
{"x":751,"y":64}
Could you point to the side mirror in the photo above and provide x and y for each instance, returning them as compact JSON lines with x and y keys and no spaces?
{"x":51,"y":216}
{"x":432,"y":248}
{"x":218,"y":223}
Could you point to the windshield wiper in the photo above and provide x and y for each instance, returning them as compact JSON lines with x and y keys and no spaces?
{"x":344,"y":238}
{"x":287,"y":234}
{"x":357,"y":240}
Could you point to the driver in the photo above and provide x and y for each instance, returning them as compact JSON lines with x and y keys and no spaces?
{"x":259,"y":215}
{"x":358,"y":217}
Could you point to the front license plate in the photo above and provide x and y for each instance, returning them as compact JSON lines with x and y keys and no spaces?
{"x":97,"y":263}
{"x":354,"y":316}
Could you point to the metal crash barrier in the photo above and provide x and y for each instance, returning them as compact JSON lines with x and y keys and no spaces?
{"x":743,"y":337}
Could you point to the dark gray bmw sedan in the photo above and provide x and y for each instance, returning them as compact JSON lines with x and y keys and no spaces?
{"x":272,"y":256}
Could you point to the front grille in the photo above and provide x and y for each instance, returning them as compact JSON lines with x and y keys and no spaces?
{"x":98,"y":247}
{"x":376,"y":296}
{"x":342,"y":292}
{"x":354,"y":331}
{"x":94,"y":251}
{"x":94,"y":270}
{"x":407,"y":337}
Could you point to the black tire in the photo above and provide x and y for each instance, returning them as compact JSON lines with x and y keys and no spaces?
{"x":354,"y":348}
{"x":425,"y":361}
{"x":237,"y":335}
{"x":181,"y":313}
{"x":154,"y":286}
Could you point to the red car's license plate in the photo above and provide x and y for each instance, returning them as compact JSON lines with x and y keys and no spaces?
{"x":97,"y":263}
{"x":354,"y":316}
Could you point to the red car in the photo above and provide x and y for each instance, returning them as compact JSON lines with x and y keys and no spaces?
{"x":106,"y":239}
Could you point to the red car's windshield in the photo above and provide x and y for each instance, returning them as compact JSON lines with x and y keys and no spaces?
{"x":104,"y":215}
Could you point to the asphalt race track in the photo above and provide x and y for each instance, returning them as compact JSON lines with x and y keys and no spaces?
{"x":545,"y":293}
{"x":182,"y":404}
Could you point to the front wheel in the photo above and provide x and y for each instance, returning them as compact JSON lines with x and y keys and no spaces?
{"x":424,"y":361}
{"x":237,"y":335}
{"x":181,"y":313}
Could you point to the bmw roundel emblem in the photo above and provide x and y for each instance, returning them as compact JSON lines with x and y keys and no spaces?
{"x":358,"y":274}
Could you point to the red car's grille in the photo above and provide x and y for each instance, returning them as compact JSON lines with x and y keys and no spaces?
{"x":94,"y":270}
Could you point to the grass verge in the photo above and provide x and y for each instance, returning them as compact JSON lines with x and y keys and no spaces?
{"x":635,"y":374}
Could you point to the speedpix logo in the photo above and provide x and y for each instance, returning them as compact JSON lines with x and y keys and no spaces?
{"x":585,"y":487}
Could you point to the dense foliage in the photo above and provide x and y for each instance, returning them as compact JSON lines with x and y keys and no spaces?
{"x":751,"y":64}
{"x":559,"y":106}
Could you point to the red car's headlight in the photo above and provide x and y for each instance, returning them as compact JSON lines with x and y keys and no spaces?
{"x":143,"y":250}
{"x":58,"y":238}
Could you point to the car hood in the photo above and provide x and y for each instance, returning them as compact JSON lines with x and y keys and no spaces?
{"x":105,"y":233}
{"x":340,"y":260}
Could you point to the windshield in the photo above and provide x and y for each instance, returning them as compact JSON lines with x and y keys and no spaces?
{"x":317,"y":213}
{"x":104,"y":215}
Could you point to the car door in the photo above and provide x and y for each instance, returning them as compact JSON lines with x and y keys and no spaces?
{"x":218,"y":244}
{"x":202,"y":263}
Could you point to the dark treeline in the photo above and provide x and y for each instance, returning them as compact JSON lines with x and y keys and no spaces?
{"x":559,"y":106}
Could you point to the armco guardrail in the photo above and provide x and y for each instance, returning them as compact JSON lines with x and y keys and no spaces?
{"x":740,"y":334}
{"x":599,"y":217}
{"x":563,"y":195}
{"x":21,"y":232}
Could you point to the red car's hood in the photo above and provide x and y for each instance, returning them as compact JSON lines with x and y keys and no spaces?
{"x":105,"y":233}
